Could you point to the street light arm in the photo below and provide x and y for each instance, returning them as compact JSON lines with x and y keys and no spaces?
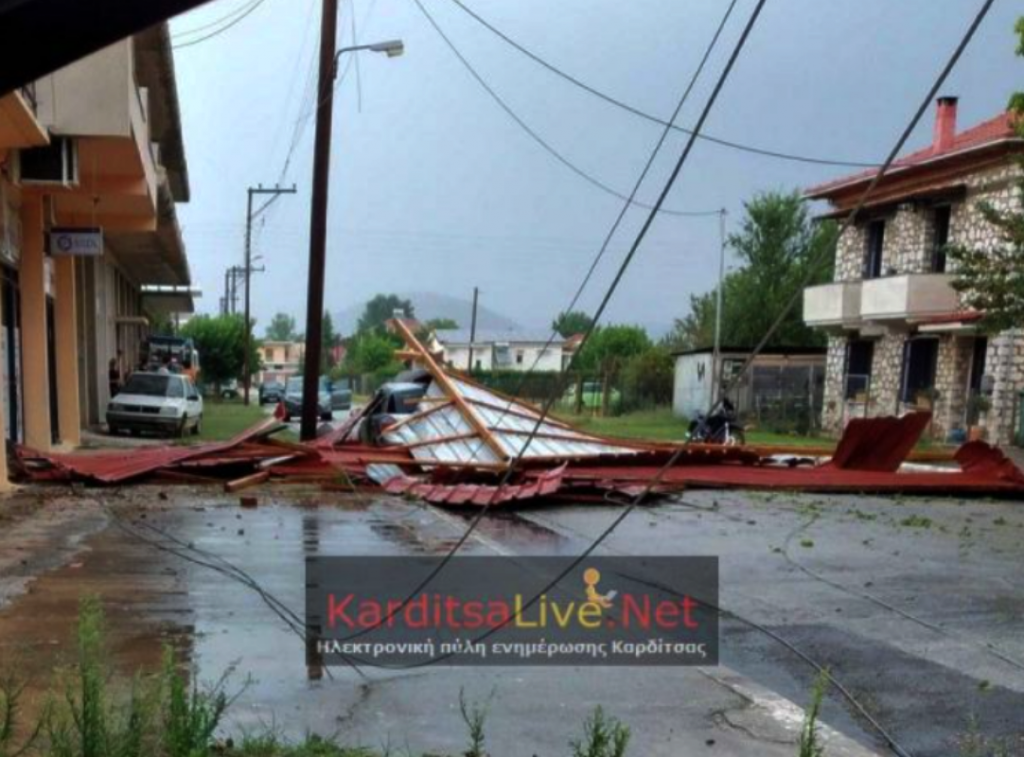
{"x":392,"y":48}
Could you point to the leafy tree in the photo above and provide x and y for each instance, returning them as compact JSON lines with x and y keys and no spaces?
{"x":992,"y":280}
{"x":370,"y":352}
{"x":611,"y":346}
{"x":382,"y":308}
{"x":571,"y":322}
{"x":162,"y":324}
{"x":329,"y":339}
{"x":777,"y":245}
{"x":281,"y":328}
{"x":221,"y":344}
{"x":647,"y":378}
{"x":435,"y":324}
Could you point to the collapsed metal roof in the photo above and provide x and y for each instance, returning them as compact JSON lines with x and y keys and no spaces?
{"x":461,"y":422}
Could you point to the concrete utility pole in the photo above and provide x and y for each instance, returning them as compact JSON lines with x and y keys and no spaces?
{"x":274,"y":193}
{"x":318,"y":206}
{"x":716,"y":357}
{"x":472,"y":329}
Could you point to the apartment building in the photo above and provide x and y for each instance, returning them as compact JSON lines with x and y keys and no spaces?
{"x":899,"y":335}
{"x":91,"y":166}
{"x":280,"y":360}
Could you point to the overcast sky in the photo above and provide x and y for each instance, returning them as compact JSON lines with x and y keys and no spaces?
{"x":435,"y":188}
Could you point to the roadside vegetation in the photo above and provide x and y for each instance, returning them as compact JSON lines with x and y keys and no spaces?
{"x":91,"y":712}
{"x":223,"y":419}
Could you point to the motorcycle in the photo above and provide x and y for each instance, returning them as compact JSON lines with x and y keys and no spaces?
{"x":720,"y":426}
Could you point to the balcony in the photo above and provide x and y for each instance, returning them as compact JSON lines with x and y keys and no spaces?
{"x":833,"y":306}
{"x":19,"y":126}
{"x":908,"y":297}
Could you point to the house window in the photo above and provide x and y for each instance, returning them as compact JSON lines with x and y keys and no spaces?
{"x":978,"y":362}
{"x":919,"y":360}
{"x":874,"y":242}
{"x":940,"y":239}
{"x":859,"y":354}
{"x":520,"y":356}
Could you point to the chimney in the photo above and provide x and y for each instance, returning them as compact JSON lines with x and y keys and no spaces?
{"x":945,"y":123}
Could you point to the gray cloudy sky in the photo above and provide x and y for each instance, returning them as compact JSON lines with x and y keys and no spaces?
{"x":435,"y":188}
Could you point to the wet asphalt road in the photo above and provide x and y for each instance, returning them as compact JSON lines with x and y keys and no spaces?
{"x":916,"y":606}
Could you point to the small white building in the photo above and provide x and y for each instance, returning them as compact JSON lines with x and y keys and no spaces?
{"x":779,"y":376}
{"x":498,"y":350}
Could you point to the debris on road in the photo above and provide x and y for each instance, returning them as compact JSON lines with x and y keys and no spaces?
{"x":461,"y":439}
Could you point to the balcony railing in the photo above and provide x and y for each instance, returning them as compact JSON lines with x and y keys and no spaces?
{"x":908,"y":297}
{"x":832,"y":305}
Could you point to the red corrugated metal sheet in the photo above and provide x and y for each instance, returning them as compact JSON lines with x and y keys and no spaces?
{"x":879,"y":444}
{"x":545,"y":485}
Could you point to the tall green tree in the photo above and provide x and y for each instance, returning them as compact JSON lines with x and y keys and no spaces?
{"x":572,"y":322}
{"x":382,"y":308}
{"x":610,"y":347}
{"x":329,"y":339}
{"x":778,"y":247}
{"x":221,"y":343}
{"x":992,"y":280}
{"x":281,"y":328}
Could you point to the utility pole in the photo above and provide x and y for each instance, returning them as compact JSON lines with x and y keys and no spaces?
{"x":716,"y":357}
{"x":472,"y":330}
{"x":224,"y":303}
{"x":274,"y":193}
{"x":318,"y":220}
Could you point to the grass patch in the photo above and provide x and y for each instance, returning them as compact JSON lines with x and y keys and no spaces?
{"x":664,"y":425}
{"x":223,"y":419}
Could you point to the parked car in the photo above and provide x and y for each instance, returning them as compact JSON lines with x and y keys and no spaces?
{"x":293,"y":400}
{"x":164,"y":402}
{"x":592,"y":396}
{"x":392,"y":402}
{"x":341,"y":394}
{"x":271,"y":391}
{"x":229,"y":390}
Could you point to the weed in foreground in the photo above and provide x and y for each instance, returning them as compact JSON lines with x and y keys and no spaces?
{"x":810,"y":743}
{"x":603,"y":736}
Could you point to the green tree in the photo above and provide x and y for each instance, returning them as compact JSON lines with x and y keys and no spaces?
{"x":609,"y":347}
{"x":992,"y":280}
{"x":370,"y":352}
{"x":329,"y":339}
{"x":221,"y":344}
{"x":777,"y":246}
{"x":382,"y":308}
{"x":281,"y":328}
{"x":440,"y":324}
{"x":647,"y":378}
{"x":572,"y":322}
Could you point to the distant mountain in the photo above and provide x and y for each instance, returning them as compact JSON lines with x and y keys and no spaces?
{"x":430,"y":305}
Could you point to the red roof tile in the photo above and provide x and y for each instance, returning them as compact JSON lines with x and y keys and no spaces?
{"x":987,"y":132}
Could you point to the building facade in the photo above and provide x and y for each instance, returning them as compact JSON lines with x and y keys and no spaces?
{"x":900,"y":337}
{"x":91,"y":166}
{"x":280,"y":360}
{"x":498,"y":350}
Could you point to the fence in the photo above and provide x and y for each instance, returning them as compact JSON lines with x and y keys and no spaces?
{"x":783,"y":398}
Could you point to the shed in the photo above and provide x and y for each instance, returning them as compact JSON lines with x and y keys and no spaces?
{"x":781,"y":380}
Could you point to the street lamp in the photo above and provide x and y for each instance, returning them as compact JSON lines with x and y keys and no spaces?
{"x":318,"y":210}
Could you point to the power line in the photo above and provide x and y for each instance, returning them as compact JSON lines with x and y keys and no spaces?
{"x":537,"y":137}
{"x":216,"y":22}
{"x":652,"y":214}
{"x":644,"y":114}
{"x":256,"y":4}
{"x":822,"y":255}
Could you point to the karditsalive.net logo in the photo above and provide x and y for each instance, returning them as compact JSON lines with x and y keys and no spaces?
{"x":496,"y":610}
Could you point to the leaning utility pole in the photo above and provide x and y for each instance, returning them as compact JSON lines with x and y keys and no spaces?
{"x":318,"y":220}
{"x":716,"y":357}
{"x":274,"y":192}
{"x":472,"y":330}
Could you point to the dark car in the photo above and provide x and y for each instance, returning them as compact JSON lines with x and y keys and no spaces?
{"x":341,"y":394}
{"x":293,"y":400}
{"x":394,"y":401}
{"x":271,"y":391}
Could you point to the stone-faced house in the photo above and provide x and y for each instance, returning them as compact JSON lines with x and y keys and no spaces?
{"x":899,"y":337}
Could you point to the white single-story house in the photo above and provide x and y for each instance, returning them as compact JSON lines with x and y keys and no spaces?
{"x":498,"y":350}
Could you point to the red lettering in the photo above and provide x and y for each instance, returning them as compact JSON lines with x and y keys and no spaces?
{"x":337,"y":611}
